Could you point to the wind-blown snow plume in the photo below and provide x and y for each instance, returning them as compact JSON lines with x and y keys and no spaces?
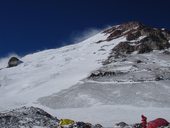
{"x":77,"y":37}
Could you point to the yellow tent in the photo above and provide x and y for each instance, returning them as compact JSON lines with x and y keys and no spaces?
{"x":64,"y":122}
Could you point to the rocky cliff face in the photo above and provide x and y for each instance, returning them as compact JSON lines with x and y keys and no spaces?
{"x":134,"y":30}
{"x":140,"y":39}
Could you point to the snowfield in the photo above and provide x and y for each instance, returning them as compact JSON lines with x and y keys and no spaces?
{"x":60,"y":81}
{"x":50,"y":71}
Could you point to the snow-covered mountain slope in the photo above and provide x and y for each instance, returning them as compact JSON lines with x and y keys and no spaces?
{"x":127,"y":64}
{"x":51,"y":71}
{"x":126,"y":77}
{"x":124,"y":82}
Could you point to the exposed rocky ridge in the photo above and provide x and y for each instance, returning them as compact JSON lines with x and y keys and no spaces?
{"x":133,"y":30}
{"x":126,"y":29}
{"x":27,"y":117}
{"x":135,"y":68}
{"x":140,"y":38}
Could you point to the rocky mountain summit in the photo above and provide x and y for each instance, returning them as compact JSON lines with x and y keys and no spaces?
{"x":133,"y":30}
{"x":139,"y":38}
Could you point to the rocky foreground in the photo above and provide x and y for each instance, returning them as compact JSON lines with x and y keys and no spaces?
{"x":27,"y":117}
{"x":32,"y":117}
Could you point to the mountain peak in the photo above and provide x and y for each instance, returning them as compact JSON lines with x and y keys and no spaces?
{"x":125,"y":26}
{"x":135,"y":29}
{"x":139,"y":37}
{"x":131,"y":25}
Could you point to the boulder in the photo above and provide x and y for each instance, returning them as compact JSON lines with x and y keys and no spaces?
{"x":13,"y":61}
{"x":83,"y":125}
{"x":121,"y":124}
{"x":138,"y":61}
{"x":98,"y":126}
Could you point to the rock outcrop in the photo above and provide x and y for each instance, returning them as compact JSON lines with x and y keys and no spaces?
{"x":133,"y":30}
{"x":13,"y":61}
{"x":140,"y":39}
{"x":27,"y":117}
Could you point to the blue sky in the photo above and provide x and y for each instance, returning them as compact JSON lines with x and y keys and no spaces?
{"x":27,"y":26}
